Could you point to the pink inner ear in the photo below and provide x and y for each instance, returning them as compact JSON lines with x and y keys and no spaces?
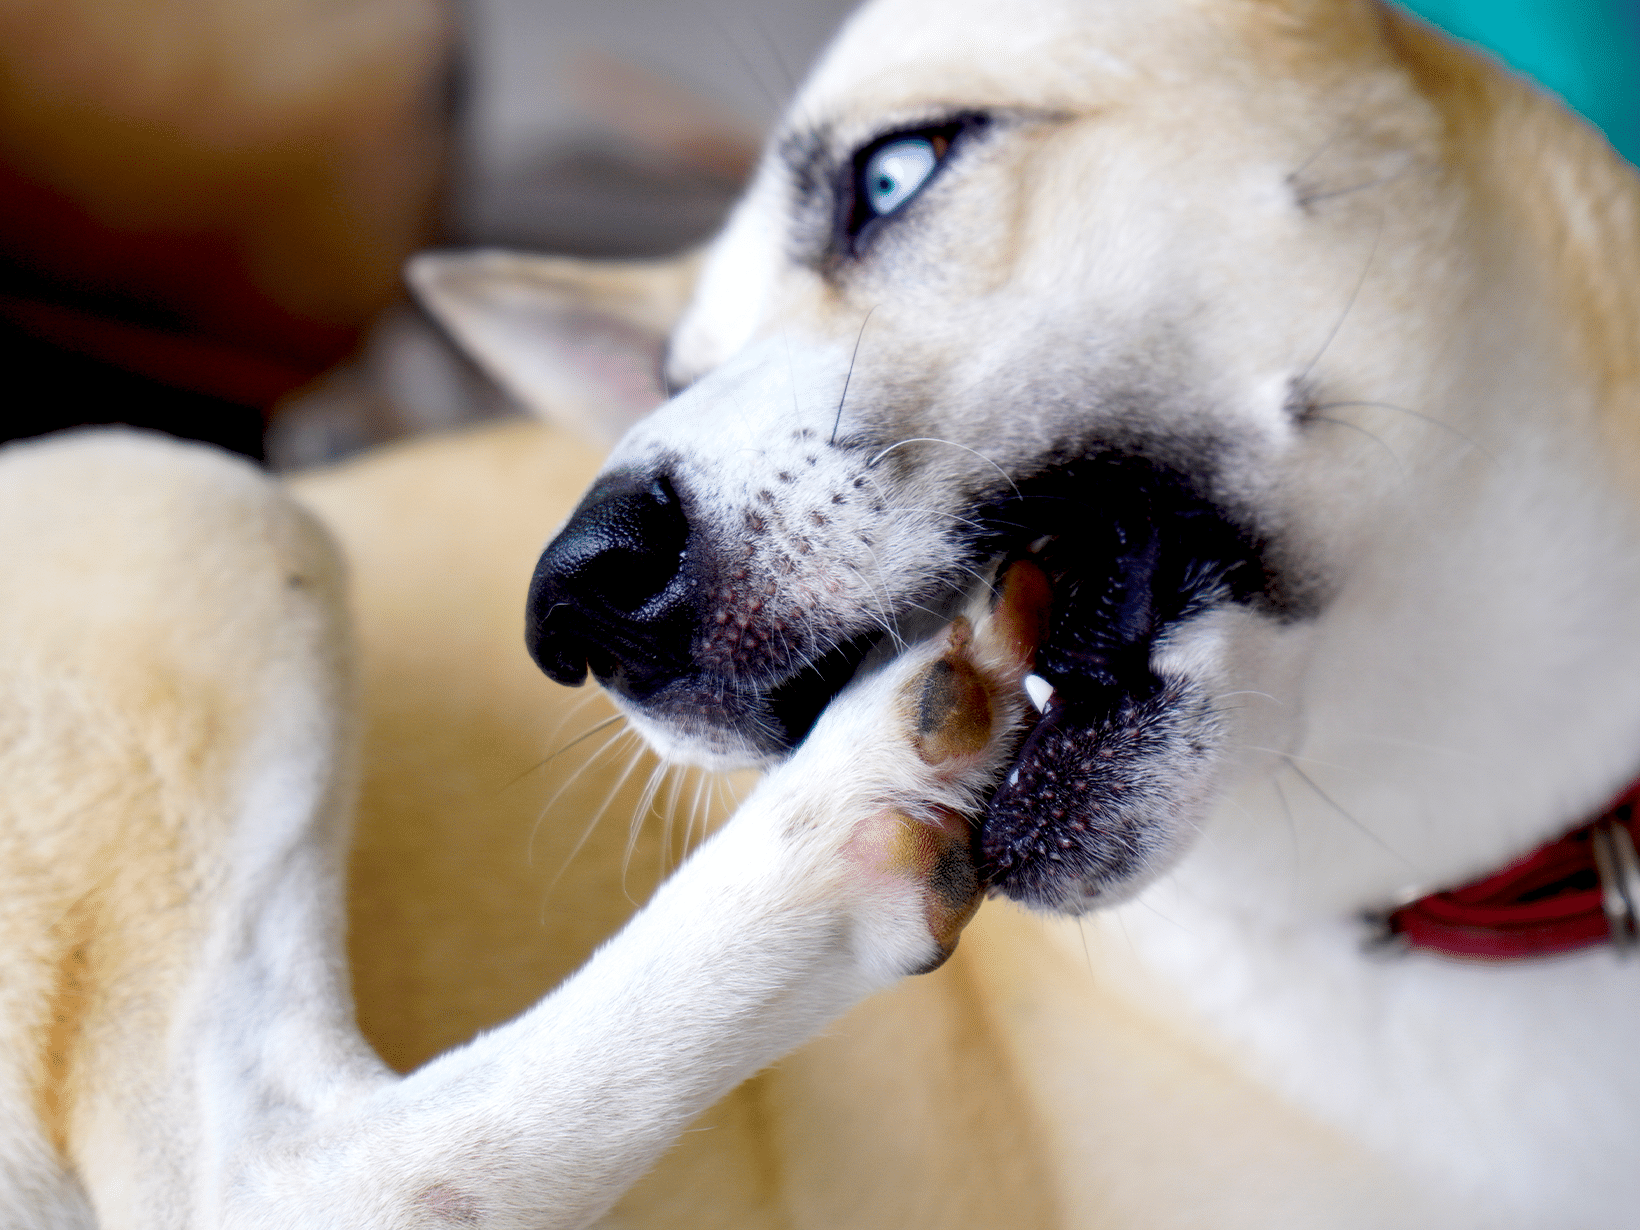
{"x":621,"y":359}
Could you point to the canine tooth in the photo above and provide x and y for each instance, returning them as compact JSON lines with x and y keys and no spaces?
{"x":1040,"y":691}
{"x":1036,"y":547}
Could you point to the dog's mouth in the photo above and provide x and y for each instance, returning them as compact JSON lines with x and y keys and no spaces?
{"x":795,"y":705}
{"x":1118,"y":747}
{"x":1122,"y":554}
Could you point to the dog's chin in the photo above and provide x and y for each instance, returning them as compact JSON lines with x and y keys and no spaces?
{"x":1099,"y":801}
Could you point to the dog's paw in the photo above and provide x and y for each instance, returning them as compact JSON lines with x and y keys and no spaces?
{"x":888,"y":785}
{"x":933,"y":854}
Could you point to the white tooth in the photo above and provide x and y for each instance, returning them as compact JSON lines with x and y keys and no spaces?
{"x":1036,"y":547}
{"x":1040,"y":691}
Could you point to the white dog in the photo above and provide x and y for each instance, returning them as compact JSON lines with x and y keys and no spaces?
{"x":1254,"y":371}
{"x":1298,"y":351}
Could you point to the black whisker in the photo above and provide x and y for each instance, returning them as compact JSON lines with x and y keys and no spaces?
{"x":1427,"y":418}
{"x":1348,"y":306}
{"x":839,"y":419}
{"x":1330,"y":802}
{"x":1321,"y":418}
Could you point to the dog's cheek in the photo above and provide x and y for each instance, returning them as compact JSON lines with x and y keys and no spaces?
{"x":933,"y":855}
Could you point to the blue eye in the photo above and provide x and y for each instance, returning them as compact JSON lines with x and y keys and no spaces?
{"x":882,"y":176}
{"x":892,"y":175}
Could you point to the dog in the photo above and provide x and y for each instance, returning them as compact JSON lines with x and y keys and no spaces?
{"x":1293,"y":350}
{"x":1188,"y":439}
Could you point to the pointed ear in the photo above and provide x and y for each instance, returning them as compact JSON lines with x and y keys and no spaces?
{"x":578,"y":342}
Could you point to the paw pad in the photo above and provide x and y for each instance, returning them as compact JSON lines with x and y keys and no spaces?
{"x":936,"y":851}
{"x":951,"y":704}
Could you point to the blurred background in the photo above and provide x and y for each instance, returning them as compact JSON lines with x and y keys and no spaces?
{"x":205,"y":204}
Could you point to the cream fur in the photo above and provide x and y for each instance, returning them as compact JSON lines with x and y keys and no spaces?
{"x":1395,"y":290}
{"x":180,"y":1046}
{"x":177,"y":1044}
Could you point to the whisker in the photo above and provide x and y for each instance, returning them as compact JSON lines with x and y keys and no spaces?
{"x":952,"y":444}
{"x":640,"y":815}
{"x":1254,"y":692}
{"x":674,"y":790}
{"x":1321,"y":418}
{"x":646,"y":799}
{"x":1290,"y":756}
{"x":598,"y":815}
{"x":580,"y":738}
{"x":586,"y":833}
{"x":775,"y":53}
{"x":1361,"y":828}
{"x":1427,"y":418}
{"x":940,"y":512}
{"x":878,"y":589}
{"x":726,"y":32}
{"x":850,"y":376}
{"x":697,"y":811}
{"x":1349,"y":305}
{"x":1306,"y":199}
{"x":1292,"y":176}
{"x":574,"y":776}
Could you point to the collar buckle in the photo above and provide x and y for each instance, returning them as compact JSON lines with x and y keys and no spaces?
{"x":1619,"y":869}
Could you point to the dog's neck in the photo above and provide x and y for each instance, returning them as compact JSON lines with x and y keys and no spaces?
{"x":1579,"y":891}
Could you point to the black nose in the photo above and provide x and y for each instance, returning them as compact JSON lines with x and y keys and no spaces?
{"x":610,"y":591}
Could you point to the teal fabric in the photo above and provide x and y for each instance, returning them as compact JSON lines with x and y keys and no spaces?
{"x":1587,"y":51}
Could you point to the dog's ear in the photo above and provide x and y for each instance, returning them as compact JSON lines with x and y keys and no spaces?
{"x":578,"y":342}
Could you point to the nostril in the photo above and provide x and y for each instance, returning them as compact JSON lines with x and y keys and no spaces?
{"x":605,"y":586}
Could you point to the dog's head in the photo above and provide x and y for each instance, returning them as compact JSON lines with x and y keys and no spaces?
{"x":1158,"y":297}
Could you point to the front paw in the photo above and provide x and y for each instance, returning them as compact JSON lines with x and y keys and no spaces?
{"x":902,"y":763}
{"x":934,"y":854}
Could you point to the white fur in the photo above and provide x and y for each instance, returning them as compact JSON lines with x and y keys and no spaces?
{"x":234,"y":1089}
{"x":1165,"y":237}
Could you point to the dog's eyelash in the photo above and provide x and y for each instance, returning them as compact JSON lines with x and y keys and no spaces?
{"x":892,"y":170}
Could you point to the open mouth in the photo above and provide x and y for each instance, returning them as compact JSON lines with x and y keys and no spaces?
{"x":1117,"y":751}
{"x":1122,"y":554}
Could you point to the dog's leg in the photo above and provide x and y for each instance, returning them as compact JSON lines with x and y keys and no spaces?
{"x":175,"y":785}
{"x":846,"y":870}
{"x":172,"y":794}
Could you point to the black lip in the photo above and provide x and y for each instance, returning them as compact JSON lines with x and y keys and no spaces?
{"x":1135,"y":549}
{"x":1132,"y":549}
{"x":796,"y":704}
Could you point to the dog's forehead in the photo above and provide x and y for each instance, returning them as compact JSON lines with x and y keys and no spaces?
{"x":1163,"y":101}
{"x":890,"y":57}
{"x":1067,"y":55}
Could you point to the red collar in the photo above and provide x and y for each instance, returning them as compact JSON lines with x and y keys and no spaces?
{"x":1581,"y":890}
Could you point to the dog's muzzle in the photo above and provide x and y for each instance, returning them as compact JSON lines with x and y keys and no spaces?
{"x":1120,"y":753}
{"x":658,"y":607}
